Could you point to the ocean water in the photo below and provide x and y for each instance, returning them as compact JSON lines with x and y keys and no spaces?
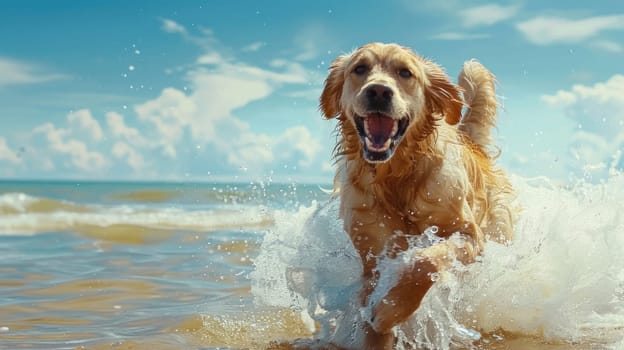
{"x":90,"y":265}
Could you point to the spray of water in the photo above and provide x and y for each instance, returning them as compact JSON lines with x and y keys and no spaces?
{"x":560,"y":279}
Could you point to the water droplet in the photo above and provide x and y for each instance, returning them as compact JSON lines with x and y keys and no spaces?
{"x":131,"y":68}
{"x":498,"y":337}
{"x":470,"y":333}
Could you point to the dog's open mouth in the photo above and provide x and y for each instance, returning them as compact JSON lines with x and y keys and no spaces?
{"x":380,"y":134}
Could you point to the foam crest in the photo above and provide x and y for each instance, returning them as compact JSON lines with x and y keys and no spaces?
{"x":561,"y":279}
{"x":23,"y":214}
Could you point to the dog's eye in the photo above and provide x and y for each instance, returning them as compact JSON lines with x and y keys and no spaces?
{"x":405,"y":73}
{"x":361,"y":69}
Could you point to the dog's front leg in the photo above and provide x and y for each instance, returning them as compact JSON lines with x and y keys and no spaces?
{"x":404,"y":298}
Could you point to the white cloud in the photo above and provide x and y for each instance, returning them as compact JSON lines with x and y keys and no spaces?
{"x":211,"y":58}
{"x":201,"y":121}
{"x":217,"y":96}
{"x":173,"y":27}
{"x":85,"y":120}
{"x":6,"y":153}
{"x":202,"y":37}
{"x":249,"y":151}
{"x":80,"y":155}
{"x":286,"y":72}
{"x":254,"y":46}
{"x":297,"y":144}
{"x":122,"y":150}
{"x":458,"y":36}
{"x":117,"y":125}
{"x":13,"y":72}
{"x":598,"y":111}
{"x":170,"y":113}
{"x":546,"y":30}
{"x":294,"y":146}
{"x":206,"y":114}
{"x":473,"y":17}
{"x":608,"y":45}
{"x":487,"y":15}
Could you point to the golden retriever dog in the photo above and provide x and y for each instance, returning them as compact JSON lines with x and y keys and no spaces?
{"x":409,"y":161}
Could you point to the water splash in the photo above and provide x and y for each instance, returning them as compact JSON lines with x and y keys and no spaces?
{"x":561,"y":279}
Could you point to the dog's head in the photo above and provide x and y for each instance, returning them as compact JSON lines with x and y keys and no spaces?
{"x":386,"y":91}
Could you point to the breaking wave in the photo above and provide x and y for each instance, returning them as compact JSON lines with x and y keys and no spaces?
{"x":560,"y":280}
{"x":22,"y":214}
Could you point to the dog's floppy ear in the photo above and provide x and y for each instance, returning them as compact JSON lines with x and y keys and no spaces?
{"x":442,"y":96}
{"x":330,"y":97}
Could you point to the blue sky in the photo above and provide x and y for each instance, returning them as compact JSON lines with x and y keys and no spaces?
{"x":228,"y":90}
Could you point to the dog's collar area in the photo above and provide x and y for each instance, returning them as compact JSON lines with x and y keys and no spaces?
{"x":379,"y":134}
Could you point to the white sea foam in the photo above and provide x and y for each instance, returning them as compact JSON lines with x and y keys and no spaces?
{"x":21,"y":214}
{"x":561,"y":279}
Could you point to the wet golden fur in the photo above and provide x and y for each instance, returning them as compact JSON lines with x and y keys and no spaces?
{"x":441,"y":174}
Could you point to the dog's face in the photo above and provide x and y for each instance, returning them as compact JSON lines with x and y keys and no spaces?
{"x":384,"y":90}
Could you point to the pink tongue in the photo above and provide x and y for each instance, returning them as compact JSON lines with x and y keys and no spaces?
{"x":379,"y":128}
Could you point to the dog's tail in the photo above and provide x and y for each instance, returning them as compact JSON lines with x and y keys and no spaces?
{"x":479,"y":92}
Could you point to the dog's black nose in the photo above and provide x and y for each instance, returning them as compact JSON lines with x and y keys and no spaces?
{"x":379,"y":96}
